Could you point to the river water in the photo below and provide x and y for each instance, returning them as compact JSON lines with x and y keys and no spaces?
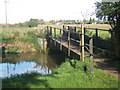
{"x":16,"y":64}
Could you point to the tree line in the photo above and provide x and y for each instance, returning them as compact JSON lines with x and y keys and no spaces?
{"x":36,"y":22}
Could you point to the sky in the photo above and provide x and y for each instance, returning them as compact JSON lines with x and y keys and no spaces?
{"x":24,"y":10}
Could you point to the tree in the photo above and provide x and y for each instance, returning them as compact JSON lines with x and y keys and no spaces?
{"x":41,"y":21}
{"x":33,"y":23}
{"x":91,"y":20}
{"x":85,"y":21}
{"x":52,"y":22}
{"x":111,"y":11}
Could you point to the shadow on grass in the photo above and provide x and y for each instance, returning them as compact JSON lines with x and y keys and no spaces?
{"x":25,"y":81}
{"x":109,"y":65}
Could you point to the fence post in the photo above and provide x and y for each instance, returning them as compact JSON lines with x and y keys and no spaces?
{"x":60,"y":40}
{"x":68,"y":43}
{"x":82,"y":44}
{"x":55,"y":36}
{"x":91,"y":55}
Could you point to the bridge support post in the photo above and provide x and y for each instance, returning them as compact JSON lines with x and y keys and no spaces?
{"x":91,"y":56}
{"x":68,"y":43}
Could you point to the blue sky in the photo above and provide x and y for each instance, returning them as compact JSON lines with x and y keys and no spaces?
{"x":23,"y":10}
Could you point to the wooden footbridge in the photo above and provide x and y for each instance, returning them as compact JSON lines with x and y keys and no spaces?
{"x":70,"y":41}
{"x":74,"y":41}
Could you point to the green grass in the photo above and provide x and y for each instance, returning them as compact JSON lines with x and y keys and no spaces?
{"x":66,"y":76}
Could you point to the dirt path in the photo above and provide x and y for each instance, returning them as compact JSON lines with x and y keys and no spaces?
{"x":107,"y":65}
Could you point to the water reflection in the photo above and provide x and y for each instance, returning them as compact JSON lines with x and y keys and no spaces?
{"x":13,"y":64}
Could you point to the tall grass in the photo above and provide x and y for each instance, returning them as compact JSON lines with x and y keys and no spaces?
{"x":21,"y":35}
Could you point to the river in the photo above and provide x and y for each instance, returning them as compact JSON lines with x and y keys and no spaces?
{"x":17,"y":64}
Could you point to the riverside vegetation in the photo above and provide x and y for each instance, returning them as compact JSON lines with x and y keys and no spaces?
{"x":68,"y":75}
{"x":17,"y":40}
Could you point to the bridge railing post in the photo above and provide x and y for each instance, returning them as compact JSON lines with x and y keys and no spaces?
{"x":47,"y":32}
{"x":74,"y":29}
{"x":74,"y":35}
{"x":50,"y":34}
{"x":68,"y":27}
{"x":82,"y":45}
{"x":55,"y":36}
{"x":51,"y":31}
{"x":96,"y":30}
{"x":60,"y":39}
{"x":68,"y":43}
{"x":91,"y":55}
{"x":63,"y":27}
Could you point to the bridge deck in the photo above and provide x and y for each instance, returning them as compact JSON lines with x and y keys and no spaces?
{"x":73,"y":47}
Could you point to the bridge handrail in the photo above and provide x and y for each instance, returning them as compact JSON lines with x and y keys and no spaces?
{"x":86,"y":44}
{"x":91,"y":28}
{"x":71,"y":31}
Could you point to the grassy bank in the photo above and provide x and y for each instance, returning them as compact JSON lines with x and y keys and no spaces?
{"x":66,"y":76}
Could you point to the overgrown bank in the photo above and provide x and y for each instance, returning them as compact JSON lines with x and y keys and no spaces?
{"x":17,"y":40}
{"x":68,"y":75}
